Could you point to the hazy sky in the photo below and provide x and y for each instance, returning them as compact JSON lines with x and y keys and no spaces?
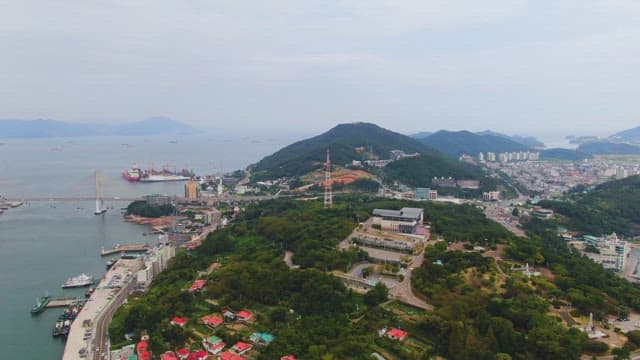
{"x":304,"y":66}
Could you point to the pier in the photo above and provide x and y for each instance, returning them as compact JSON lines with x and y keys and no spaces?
{"x":125,"y":249}
{"x":66,"y":302}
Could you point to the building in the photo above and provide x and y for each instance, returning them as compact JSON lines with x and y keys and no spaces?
{"x":613,"y":252}
{"x":213,"y":344}
{"x":213,"y":217}
{"x":480,"y":157}
{"x":543,"y":214}
{"x":468,"y":184}
{"x":404,"y":220}
{"x":491,"y":196}
{"x":154,"y":264}
{"x":444,"y":182}
{"x":397,"y":334}
{"x":156,"y":199}
{"x":191,"y":190}
{"x":422,"y":193}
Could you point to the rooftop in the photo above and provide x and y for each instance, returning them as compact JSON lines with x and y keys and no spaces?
{"x":410,"y":213}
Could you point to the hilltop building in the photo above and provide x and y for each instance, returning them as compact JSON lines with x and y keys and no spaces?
{"x":404,"y":220}
{"x":613,"y":251}
{"x":156,"y":199}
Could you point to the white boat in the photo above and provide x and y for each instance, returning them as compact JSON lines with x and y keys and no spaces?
{"x":78,"y":281}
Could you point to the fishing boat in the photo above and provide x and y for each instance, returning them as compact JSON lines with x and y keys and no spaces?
{"x":41,"y":304}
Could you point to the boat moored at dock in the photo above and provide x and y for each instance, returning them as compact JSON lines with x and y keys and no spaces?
{"x":41,"y":304}
{"x":81,"y":280}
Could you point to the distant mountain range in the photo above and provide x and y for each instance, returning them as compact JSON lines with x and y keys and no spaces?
{"x":609,"y":148}
{"x":456,"y":143}
{"x":630,"y":135}
{"x":56,"y":128}
{"x":528,"y":141}
{"x":361,"y":141}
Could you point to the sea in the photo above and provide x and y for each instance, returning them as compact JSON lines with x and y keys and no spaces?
{"x":42,"y":243}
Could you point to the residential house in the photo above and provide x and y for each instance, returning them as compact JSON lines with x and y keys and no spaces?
{"x":397,"y":334}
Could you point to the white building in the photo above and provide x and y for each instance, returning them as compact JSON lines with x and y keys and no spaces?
{"x":613,"y":252}
{"x":404,"y":220}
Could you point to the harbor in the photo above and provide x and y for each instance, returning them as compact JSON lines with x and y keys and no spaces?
{"x":55,"y":235}
{"x":87,"y":337}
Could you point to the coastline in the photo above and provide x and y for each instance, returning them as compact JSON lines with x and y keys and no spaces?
{"x":155,"y":223}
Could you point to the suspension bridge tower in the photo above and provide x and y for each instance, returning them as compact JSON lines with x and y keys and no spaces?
{"x":100,"y":209}
{"x":328,"y":193}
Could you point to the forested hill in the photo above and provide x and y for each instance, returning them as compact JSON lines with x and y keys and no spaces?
{"x":612,"y":206}
{"x":457,"y":143}
{"x":347,"y":142}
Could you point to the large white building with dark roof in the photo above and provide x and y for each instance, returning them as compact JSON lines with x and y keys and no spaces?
{"x":404,"y":220}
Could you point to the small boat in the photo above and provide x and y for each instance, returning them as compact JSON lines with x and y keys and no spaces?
{"x":110,"y":263}
{"x":41,"y":304}
{"x":89,"y":292}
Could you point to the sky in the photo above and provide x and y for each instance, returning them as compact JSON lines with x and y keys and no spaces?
{"x":279,"y":66}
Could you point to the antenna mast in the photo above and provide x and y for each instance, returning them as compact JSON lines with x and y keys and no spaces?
{"x":328,"y":193}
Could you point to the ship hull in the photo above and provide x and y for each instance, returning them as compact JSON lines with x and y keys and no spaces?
{"x":71,"y":286}
{"x":154,"y":178}
{"x":130,"y":178}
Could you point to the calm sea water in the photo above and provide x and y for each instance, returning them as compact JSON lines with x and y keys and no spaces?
{"x":43,"y":243}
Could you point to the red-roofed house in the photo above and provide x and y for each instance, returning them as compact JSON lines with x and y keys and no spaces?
{"x":241,"y":347}
{"x":199,"y":355}
{"x":142,"y":346}
{"x":212,"y":321}
{"x":197,"y":285}
{"x":213,"y":344}
{"x":144,"y":355}
{"x":169,"y":355}
{"x":228,"y":355}
{"x":245,"y":315}
{"x":397,"y":334}
{"x":183,"y":353}
{"x":288,"y":357}
{"x":178,"y":321}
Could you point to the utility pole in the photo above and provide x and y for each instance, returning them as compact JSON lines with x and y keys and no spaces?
{"x":328,"y":194}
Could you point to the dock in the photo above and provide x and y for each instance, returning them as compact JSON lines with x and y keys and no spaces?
{"x":57,"y":303}
{"x":125,"y":249}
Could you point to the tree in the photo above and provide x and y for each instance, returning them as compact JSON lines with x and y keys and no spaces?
{"x":377,"y":295}
{"x":622,"y":353}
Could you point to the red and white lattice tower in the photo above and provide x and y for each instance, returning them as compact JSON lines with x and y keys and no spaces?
{"x":328,"y":193}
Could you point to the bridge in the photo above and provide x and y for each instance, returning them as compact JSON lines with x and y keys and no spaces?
{"x":91,"y":188}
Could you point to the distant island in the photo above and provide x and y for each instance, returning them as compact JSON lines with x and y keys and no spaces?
{"x":13,"y":128}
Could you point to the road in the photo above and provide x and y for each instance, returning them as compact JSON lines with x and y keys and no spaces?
{"x":101,"y":339}
{"x":404,"y":291}
{"x":288,"y":255}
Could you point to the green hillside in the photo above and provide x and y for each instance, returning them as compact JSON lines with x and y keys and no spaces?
{"x":612,"y":206}
{"x":344,"y":141}
{"x":456,"y":143}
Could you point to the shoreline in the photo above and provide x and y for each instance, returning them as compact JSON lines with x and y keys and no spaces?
{"x":156,"y":224}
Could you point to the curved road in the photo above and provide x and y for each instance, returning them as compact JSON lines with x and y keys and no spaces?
{"x":100,"y":343}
